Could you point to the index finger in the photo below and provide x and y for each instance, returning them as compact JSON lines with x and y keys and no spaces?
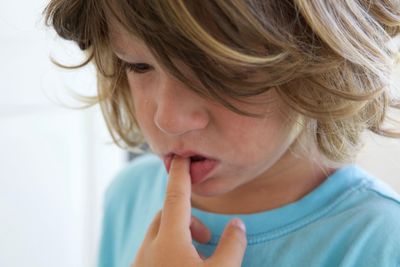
{"x":176,"y":212}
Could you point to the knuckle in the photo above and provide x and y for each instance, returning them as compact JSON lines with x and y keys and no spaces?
{"x":173,"y":197}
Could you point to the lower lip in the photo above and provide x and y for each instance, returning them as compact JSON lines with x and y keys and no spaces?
{"x":200,"y":169}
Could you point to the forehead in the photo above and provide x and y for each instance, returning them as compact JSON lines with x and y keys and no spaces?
{"x":123,"y":29}
{"x":121,"y":40}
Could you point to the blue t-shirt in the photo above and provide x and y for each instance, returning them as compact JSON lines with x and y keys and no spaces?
{"x":351,"y":219}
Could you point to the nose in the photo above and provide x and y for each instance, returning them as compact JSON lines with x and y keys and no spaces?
{"x":179,"y":110}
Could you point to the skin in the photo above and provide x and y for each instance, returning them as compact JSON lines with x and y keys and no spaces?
{"x":257,"y":170}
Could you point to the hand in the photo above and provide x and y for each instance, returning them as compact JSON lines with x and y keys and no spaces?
{"x":168,"y":241}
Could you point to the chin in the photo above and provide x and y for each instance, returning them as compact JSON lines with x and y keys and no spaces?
{"x":212,"y":187}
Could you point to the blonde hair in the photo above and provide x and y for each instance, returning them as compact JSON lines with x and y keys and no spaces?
{"x":332,"y":62}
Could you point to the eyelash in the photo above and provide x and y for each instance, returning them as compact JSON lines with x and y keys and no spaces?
{"x":137,"y":67}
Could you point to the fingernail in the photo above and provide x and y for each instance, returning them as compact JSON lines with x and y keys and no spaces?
{"x":238,"y":223}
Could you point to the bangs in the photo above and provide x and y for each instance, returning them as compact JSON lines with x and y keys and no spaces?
{"x":221,"y":42}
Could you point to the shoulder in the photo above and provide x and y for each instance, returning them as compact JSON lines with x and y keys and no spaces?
{"x":145,"y":173}
{"x":379,"y":199}
{"x":373,"y":218}
{"x":362,"y":226}
{"x":382,"y":206}
{"x":371,"y":192}
{"x":354,"y":189}
{"x":374,"y":198}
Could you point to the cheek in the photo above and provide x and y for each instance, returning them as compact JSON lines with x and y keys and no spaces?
{"x":142,"y":105}
{"x":144,"y":118}
{"x":257,"y":140}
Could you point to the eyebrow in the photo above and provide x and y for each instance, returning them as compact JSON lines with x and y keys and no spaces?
{"x":121,"y":54}
{"x":118,"y":50}
{"x":121,"y":51}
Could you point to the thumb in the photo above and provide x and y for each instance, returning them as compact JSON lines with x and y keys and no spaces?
{"x":232,"y":245}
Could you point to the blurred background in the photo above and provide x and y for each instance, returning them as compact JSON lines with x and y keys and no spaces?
{"x":55,"y":162}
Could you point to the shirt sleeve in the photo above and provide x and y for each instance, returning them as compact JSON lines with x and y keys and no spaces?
{"x":130,"y":203}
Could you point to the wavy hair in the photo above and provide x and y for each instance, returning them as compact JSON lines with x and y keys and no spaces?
{"x":332,"y":62}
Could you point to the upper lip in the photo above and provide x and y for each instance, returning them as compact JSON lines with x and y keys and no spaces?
{"x":185,"y":154}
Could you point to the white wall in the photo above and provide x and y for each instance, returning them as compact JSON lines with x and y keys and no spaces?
{"x":381,"y":157}
{"x":56,"y":162}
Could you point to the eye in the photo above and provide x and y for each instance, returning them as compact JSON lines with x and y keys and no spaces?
{"x":137,"y":67}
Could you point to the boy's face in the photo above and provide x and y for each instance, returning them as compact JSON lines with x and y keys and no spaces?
{"x":173,"y":118}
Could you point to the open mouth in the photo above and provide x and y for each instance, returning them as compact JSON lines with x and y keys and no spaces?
{"x":197,"y":159}
{"x":200,"y":166}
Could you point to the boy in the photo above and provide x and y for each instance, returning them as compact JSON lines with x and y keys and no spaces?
{"x":260,"y":104}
